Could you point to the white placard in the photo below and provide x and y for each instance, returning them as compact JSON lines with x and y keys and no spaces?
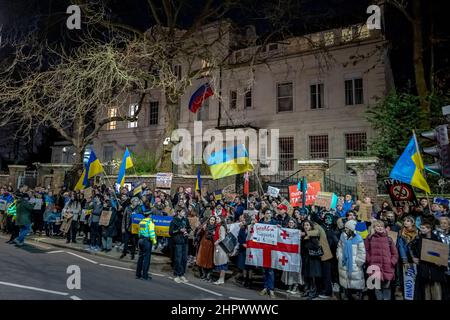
{"x":265,"y":233}
{"x":273,"y":192}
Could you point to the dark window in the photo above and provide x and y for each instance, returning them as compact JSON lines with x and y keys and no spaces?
{"x":154,"y":113}
{"x":318,"y":147}
{"x":354,"y":91}
{"x":317,"y":96}
{"x":286,"y":149}
{"x":108,"y":153}
{"x":248,"y":99}
{"x":233,"y":99}
{"x":284,"y":97}
{"x":355,"y":144}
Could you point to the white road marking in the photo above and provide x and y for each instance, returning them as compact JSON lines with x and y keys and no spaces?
{"x":57,"y":251}
{"x":75,"y":298}
{"x":203,"y":289}
{"x":115,"y":267}
{"x":81,"y":257}
{"x":235,"y":298}
{"x":157,"y":274}
{"x":33,"y":288}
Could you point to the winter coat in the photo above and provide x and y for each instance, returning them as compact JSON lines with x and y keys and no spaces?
{"x":126,"y":219}
{"x":355,"y":280}
{"x":445,"y":238}
{"x":427,"y":271}
{"x":381,"y":252}
{"x":97,"y":209}
{"x":205,"y":255}
{"x":175,"y":227}
{"x":110,"y":230}
{"x":23,"y":212}
{"x":73,"y":208}
{"x":320,"y":233}
{"x":220,"y":256}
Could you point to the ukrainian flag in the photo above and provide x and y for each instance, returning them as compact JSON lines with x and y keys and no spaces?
{"x":361,"y":229}
{"x":198,"y":182}
{"x":409,"y":167}
{"x":126,"y":164}
{"x":229,"y":161}
{"x":93,"y":168}
{"x":80,"y":185}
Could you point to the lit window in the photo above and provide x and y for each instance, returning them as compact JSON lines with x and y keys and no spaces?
{"x":131,"y":113}
{"x":284,"y":97}
{"x":112,"y":125}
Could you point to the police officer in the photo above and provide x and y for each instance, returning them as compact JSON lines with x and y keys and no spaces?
{"x":147,"y":237}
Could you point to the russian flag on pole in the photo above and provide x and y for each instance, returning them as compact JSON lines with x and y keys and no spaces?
{"x":282,"y":254}
{"x":200,"y":95}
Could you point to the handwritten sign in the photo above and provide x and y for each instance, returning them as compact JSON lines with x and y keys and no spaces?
{"x":105,"y":217}
{"x":218,"y":195}
{"x":409,"y":280}
{"x":400,"y":193}
{"x":326,"y":199}
{"x":164,"y":180}
{"x":229,"y":189}
{"x":435,"y":252}
{"x":273,"y":192}
{"x":3,"y":205}
{"x":365,"y":212}
{"x":265,"y":233}
{"x":88,"y":192}
{"x":295,"y":195}
{"x":162,"y":224}
{"x":393,"y":235}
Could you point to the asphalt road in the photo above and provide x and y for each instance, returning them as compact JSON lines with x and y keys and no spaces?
{"x":39,"y":272}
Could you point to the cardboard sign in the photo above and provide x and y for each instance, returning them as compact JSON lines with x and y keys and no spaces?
{"x":265,"y":233}
{"x":229,"y":189}
{"x":365,"y":212}
{"x":400,"y":193}
{"x":88,"y":192}
{"x":164,"y":180}
{"x":273,"y":192}
{"x":327,"y":200}
{"x":393,"y":235}
{"x":295,"y":195}
{"x":435,"y":252}
{"x":162,"y":224}
{"x":105,"y":217}
{"x":251,"y":213}
{"x":409,"y":280}
{"x":218,"y":195}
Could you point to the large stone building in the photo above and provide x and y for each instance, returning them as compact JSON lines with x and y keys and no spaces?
{"x":315,"y":89}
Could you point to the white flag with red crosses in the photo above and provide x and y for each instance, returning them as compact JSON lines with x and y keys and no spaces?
{"x":285,"y":255}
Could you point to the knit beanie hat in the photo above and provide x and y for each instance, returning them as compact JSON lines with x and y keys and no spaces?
{"x":351,"y":225}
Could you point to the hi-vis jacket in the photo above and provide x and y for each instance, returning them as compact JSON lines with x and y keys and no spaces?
{"x":11,"y":211}
{"x":147,"y":229}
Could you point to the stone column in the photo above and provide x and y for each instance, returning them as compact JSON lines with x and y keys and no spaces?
{"x":313,"y":170}
{"x":15,"y":171}
{"x":366,"y":177}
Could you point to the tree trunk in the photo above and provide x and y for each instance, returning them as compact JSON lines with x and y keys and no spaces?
{"x":419,"y":69}
{"x":170,"y":124}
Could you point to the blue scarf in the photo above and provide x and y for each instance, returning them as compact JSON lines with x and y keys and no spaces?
{"x":347,"y":256}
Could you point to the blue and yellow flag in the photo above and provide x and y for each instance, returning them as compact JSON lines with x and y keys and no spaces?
{"x":198,"y":182}
{"x":93,"y":168}
{"x":126,"y":164}
{"x":409,"y":167}
{"x":80,"y":185}
{"x":229,"y":161}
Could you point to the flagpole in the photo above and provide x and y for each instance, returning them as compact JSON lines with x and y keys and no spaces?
{"x":423,"y":173}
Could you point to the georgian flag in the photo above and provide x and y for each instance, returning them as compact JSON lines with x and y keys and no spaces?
{"x":285,"y":255}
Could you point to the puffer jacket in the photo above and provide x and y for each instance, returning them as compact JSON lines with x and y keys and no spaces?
{"x":445,"y":238}
{"x":381,"y":252}
{"x":356,"y":279}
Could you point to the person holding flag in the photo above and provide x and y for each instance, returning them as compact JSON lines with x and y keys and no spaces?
{"x":229,"y":161}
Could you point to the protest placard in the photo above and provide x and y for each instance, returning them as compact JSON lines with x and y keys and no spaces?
{"x":265,"y":233}
{"x":393,"y":235}
{"x":295,"y":195}
{"x":105,"y":217}
{"x":365,"y":212}
{"x":272,"y":191}
{"x":218,"y":195}
{"x":327,"y":200}
{"x":88,"y":192}
{"x":400,"y":193}
{"x":435,"y":252}
{"x":164,"y":180}
{"x":162,"y":224}
{"x":231,"y":188}
{"x":409,"y":280}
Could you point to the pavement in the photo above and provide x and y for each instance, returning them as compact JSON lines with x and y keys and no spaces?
{"x":41,"y":270}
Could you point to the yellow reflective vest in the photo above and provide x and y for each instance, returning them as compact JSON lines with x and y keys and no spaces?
{"x":147,"y":229}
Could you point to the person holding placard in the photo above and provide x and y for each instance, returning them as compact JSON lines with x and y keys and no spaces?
{"x":406,"y":234}
{"x":443,"y":232}
{"x":72,"y":208}
{"x":269,"y":275}
{"x":430,"y":276}
{"x":292,"y":279}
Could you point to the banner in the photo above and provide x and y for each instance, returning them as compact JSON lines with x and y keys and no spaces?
{"x":105,"y":217}
{"x":295,"y":195}
{"x":164,"y":180}
{"x":135,"y":219}
{"x":284,"y":255}
{"x":218,"y":195}
{"x":365,"y":212}
{"x":409,"y":280}
{"x":435,"y":252}
{"x":326,"y":199}
{"x":273,"y":192}
{"x":400,"y":193}
{"x":265,"y":233}
{"x":441,"y":201}
{"x":162,"y":224}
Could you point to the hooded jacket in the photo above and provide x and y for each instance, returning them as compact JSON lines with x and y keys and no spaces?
{"x":381,"y":252}
{"x":355,"y":278}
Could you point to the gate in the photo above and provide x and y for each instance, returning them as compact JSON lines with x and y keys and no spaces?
{"x":340,"y":185}
{"x":29,"y":178}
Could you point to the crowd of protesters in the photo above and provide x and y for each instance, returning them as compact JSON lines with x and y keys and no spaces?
{"x":338,"y":247}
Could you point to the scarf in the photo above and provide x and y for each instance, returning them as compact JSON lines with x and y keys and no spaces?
{"x":347,"y":254}
{"x":217,"y":232}
{"x":408,"y":235}
{"x":210,"y":229}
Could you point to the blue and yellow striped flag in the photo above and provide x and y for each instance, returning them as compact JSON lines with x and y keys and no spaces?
{"x":93,"y":168}
{"x":80,"y":185}
{"x":409,"y":167}
{"x":229,"y":161}
{"x":198,"y":182}
{"x":126,"y":164}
